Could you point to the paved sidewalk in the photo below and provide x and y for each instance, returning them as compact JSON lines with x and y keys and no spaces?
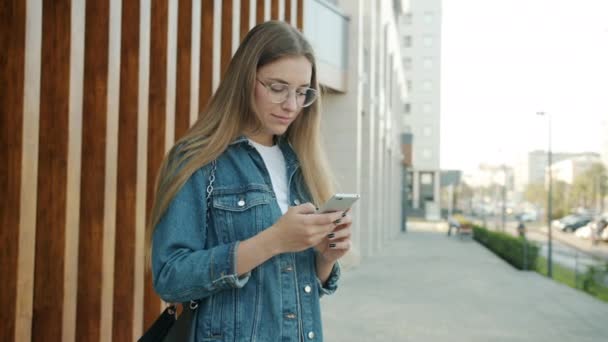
{"x":425,"y":286}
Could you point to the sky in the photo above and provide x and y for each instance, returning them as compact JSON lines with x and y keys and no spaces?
{"x":505,"y":60}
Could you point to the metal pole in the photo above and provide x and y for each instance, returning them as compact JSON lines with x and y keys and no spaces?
{"x":549,"y":207}
{"x":549,"y":199}
{"x":504,"y":198}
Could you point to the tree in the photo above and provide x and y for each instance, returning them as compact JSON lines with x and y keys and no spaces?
{"x":590,"y":187}
{"x":536,"y":193}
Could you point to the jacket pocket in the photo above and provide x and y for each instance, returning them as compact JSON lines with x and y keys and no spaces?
{"x":239,"y":214}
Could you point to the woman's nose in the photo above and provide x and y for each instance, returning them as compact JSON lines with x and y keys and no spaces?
{"x":290,"y":102}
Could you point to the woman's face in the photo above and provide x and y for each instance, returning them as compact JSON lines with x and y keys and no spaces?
{"x":288,"y":75}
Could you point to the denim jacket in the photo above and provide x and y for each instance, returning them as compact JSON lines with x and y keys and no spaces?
{"x":194,"y":257}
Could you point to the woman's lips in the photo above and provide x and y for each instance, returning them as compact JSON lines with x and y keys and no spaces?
{"x":282,"y":119}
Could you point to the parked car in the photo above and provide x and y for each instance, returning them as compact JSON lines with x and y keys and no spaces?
{"x":571,"y":222}
{"x":586,"y":231}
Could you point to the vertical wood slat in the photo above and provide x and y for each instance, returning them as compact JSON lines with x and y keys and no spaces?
{"x":12,"y":70}
{"x":156,"y":129}
{"x":288,"y":11}
{"x":52,"y":172}
{"x":93,"y":171}
{"x":29,"y":171}
{"x":244,"y":28}
{"x":259,"y":10}
{"x":126,"y":196}
{"x":183,"y":69}
{"x":274,"y":10}
{"x":226,"y":53}
{"x":300,"y":15}
{"x":206,"y":55}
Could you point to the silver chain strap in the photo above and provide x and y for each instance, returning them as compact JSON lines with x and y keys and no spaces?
{"x":210,"y":187}
{"x":194,"y":303}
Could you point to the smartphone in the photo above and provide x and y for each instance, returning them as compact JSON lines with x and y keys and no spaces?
{"x":338,"y":202}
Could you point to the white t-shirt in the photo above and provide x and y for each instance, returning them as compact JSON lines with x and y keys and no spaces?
{"x":275,"y":163}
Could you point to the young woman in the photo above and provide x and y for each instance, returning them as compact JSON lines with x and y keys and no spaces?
{"x":233,"y":224}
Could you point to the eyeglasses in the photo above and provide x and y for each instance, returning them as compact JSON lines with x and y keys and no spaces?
{"x":280,"y":92}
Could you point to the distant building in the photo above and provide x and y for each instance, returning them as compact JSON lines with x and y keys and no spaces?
{"x":567,"y":170}
{"x":533,"y":169}
{"x":421,"y":52}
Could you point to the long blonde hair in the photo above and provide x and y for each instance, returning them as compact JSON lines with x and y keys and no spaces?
{"x":231,"y":111}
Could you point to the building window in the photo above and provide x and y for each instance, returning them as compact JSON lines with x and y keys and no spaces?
{"x":426,"y":131}
{"x":427,"y":41}
{"x":426,"y":178}
{"x":407,"y":108}
{"x":427,"y":107}
{"x":407,"y":41}
{"x":407,"y":19}
{"x":407,"y":63}
{"x":427,"y":85}
{"x":408,"y":85}
{"x":427,"y":154}
{"x":427,"y":63}
{"x":428,"y":17}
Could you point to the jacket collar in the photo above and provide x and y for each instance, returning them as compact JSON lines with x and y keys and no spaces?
{"x":288,"y":152}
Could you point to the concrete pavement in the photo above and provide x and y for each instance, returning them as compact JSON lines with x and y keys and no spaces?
{"x":425,"y":286}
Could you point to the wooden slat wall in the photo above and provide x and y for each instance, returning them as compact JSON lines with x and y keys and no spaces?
{"x":124,"y":279}
{"x":90,"y":245}
{"x":52,"y":172}
{"x":226,"y":35}
{"x":274,"y":10}
{"x":12,"y":65}
{"x":93,"y":93}
{"x":156,"y":128}
{"x":259,"y":16}
{"x":184,"y":57}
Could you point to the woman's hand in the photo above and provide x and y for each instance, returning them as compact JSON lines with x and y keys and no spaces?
{"x":336,"y":244}
{"x":301,"y":228}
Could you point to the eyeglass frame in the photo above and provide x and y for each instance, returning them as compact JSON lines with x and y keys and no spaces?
{"x":290,"y":90}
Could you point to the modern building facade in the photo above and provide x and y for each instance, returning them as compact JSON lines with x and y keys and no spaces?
{"x":420,"y":38}
{"x":357,"y":43}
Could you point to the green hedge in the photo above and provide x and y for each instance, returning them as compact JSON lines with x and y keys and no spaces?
{"x":508,"y":247}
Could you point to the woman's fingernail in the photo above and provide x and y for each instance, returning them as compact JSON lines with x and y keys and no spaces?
{"x":337,"y":221}
{"x":331,"y":235}
{"x":332,"y":245}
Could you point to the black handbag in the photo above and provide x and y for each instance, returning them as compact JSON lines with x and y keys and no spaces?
{"x":168,"y":327}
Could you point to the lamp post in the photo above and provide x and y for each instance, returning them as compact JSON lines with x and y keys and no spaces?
{"x":503,"y":213}
{"x":549,"y":197}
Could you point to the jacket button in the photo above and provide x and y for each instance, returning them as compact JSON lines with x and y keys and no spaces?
{"x":307,"y":288}
{"x":311,"y":335}
{"x":241,"y":203}
{"x":296,"y":201}
{"x":290,"y":316}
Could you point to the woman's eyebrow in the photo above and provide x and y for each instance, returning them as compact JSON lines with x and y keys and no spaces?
{"x":285,"y":82}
